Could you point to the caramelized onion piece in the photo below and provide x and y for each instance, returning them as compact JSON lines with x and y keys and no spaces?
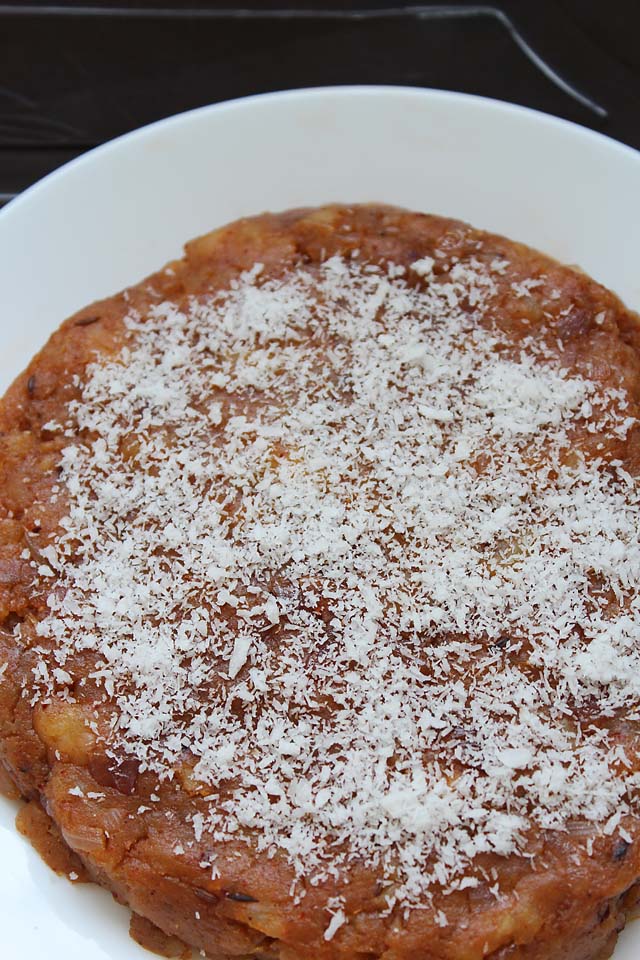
{"x":120,"y":775}
{"x":85,"y":838}
{"x":153,"y":938}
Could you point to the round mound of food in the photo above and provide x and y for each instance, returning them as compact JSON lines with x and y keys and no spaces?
{"x":319,"y":569}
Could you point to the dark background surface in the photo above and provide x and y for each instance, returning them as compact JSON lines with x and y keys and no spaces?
{"x":75,"y":74}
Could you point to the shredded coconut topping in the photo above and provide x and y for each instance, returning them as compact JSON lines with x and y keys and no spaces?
{"x":344,"y":550}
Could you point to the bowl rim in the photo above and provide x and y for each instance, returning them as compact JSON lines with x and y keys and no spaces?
{"x":339,"y":91}
{"x":571,"y":132}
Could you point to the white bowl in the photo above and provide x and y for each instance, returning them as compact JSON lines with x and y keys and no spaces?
{"x":119,"y":212}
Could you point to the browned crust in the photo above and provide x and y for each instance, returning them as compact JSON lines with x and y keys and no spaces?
{"x":557,"y":910}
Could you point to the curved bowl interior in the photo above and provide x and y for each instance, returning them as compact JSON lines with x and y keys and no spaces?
{"x":122,"y":210}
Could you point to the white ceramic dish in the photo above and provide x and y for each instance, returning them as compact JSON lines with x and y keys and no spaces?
{"x":121,"y":211}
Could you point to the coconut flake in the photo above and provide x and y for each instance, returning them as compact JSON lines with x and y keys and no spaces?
{"x":369,"y":494}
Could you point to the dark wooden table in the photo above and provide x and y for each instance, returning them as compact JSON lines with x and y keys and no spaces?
{"x":74,"y":75}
